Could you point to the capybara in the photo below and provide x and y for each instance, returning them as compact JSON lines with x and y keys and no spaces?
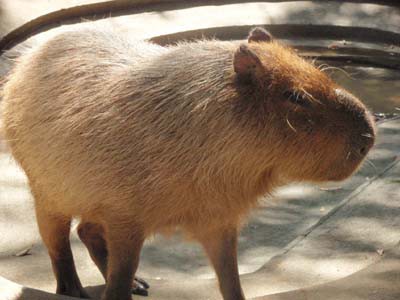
{"x":135,"y":139}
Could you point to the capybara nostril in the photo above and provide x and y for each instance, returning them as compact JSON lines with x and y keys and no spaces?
{"x":363,"y":151}
{"x":368,"y":140}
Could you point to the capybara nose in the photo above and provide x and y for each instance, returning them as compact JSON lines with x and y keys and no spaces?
{"x":364,"y":149}
{"x":361,"y":125}
{"x":364,"y":141}
{"x":369,"y":140}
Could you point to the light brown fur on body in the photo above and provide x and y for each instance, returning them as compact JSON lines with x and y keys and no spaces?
{"x":136,"y":138}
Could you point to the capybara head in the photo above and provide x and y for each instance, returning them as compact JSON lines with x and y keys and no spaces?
{"x":317,"y":130}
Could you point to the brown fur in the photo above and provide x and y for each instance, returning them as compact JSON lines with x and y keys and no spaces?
{"x":136,"y":139}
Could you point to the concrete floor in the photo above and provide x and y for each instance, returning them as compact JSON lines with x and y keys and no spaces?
{"x":308,"y":242}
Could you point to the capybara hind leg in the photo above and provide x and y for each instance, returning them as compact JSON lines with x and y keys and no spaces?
{"x":221,"y":248}
{"x":55,"y":230}
{"x":92,"y":235}
{"x":124,"y":243}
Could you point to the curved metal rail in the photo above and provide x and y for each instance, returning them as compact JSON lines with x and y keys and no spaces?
{"x":344,"y":55}
{"x":96,"y":11}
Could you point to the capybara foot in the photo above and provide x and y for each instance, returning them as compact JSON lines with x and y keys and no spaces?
{"x":140,"y":287}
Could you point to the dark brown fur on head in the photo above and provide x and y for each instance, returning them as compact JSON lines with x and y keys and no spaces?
{"x":305,"y":107}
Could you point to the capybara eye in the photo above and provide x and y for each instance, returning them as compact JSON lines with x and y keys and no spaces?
{"x":296,"y":98}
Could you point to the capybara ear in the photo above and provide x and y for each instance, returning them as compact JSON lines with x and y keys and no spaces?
{"x":246,"y":63}
{"x":259,"y":34}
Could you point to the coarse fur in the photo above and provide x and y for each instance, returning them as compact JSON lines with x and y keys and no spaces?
{"x":128,"y":134}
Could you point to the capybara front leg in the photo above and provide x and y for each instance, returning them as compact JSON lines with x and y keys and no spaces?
{"x":55,"y":230}
{"x":124,"y":243}
{"x":221,"y":248}
{"x":93,"y":236}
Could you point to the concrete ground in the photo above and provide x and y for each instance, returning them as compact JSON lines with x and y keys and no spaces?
{"x":339,"y":241}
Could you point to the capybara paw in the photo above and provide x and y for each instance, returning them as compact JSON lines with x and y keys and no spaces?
{"x":139,"y":287}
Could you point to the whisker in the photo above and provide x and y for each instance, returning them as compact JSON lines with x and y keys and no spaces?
{"x":367,"y":135}
{"x":290,"y":125}
{"x":339,"y":69}
{"x":371,"y":164}
{"x":348,"y":155}
{"x":310,"y":96}
{"x":314,"y":62}
{"x":321,"y":66}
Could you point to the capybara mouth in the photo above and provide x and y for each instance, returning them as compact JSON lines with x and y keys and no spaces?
{"x":351,"y":162}
{"x":343,"y":173}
